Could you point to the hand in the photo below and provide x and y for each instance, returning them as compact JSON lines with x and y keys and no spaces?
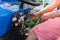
{"x":49,"y":15}
{"x":33,"y":15}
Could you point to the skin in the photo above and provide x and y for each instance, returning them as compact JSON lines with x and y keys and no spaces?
{"x":50,"y":7}
{"x":52,"y":14}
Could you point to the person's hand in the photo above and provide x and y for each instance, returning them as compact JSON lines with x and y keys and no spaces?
{"x":49,"y":15}
{"x":33,"y":15}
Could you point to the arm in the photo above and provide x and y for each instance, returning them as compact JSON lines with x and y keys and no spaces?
{"x":49,"y":8}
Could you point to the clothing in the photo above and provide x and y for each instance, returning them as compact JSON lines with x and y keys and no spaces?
{"x":48,"y":30}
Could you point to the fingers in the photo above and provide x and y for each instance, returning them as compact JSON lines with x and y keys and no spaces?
{"x":44,"y":16}
{"x":49,"y":15}
{"x":32,"y":16}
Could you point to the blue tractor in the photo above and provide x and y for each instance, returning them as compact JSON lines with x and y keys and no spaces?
{"x":7,"y":26}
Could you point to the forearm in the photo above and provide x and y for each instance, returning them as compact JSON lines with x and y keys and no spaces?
{"x":49,"y":8}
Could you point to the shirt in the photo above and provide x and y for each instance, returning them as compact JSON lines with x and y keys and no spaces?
{"x":48,"y":30}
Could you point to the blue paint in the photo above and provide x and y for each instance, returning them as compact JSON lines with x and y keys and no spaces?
{"x":6,"y":18}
